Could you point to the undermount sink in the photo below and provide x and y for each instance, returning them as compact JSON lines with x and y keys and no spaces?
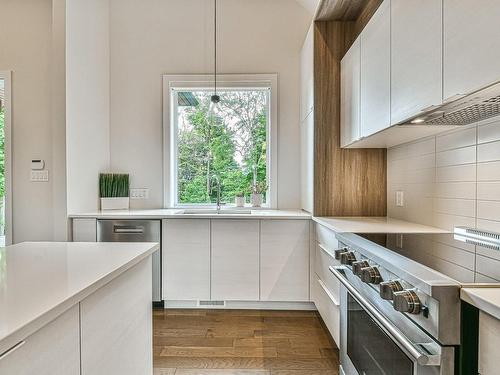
{"x":208,"y":211}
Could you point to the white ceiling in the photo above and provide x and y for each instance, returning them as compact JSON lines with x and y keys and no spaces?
{"x":309,"y":5}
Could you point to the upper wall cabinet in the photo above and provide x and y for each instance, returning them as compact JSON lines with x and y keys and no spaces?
{"x":307,"y":163}
{"x":307,"y":75}
{"x":349,"y":95}
{"x":416,"y":54}
{"x":376,"y":72}
{"x":471,"y":45}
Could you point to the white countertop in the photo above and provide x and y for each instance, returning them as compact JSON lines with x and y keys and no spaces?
{"x":374,"y":225}
{"x":486,"y":299}
{"x":177,"y":213}
{"x":40,"y":280}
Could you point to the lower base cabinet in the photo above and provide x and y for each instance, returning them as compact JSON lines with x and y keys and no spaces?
{"x":235,"y":260}
{"x":328,"y":308}
{"x":116,"y":325}
{"x":186,"y":259}
{"x":107,"y":333}
{"x":284,"y":260}
{"x":53,"y":350}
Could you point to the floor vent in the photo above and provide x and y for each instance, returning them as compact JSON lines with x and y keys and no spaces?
{"x":211,"y":303}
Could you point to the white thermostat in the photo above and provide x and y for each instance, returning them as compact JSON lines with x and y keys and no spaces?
{"x":37,"y":164}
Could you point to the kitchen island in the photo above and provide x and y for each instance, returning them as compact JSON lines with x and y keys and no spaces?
{"x":74,"y":308}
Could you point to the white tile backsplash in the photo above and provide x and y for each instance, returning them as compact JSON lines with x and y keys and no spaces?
{"x":489,"y":132}
{"x":450,"y":179}
{"x":465,"y":155}
{"x":456,"y":139}
{"x":488,"y":152}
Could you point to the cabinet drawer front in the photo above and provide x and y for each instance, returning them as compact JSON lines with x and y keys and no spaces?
{"x":323,"y":260}
{"x":328,"y":308}
{"x":53,"y":350}
{"x":326,"y":237}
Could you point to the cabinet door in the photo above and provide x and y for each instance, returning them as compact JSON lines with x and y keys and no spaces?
{"x":284,"y":264}
{"x":116,"y":325}
{"x":376,"y":72}
{"x":350,"y":95}
{"x":471,"y":45}
{"x":307,"y":163}
{"x":307,"y":75}
{"x":84,"y":230}
{"x":186,"y":259}
{"x":416,"y":57}
{"x":53,"y":350}
{"x":235,"y":260}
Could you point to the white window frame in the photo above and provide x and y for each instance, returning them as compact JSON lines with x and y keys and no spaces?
{"x":224,"y":81}
{"x":6,"y":77}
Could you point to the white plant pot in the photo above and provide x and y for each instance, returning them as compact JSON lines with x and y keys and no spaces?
{"x":256,"y":200}
{"x":240,"y":201}
{"x":121,"y":203}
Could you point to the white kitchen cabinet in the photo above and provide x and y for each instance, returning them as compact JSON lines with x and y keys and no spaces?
{"x":376,"y":72}
{"x":328,"y":308}
{"x":284,"y":262}
{"x":186,"y":259}
{"x":416,"y":56}
{"x":307,"y":75}
{"x":116,"y":321}
{"x":350,"y":95}
{"x":84,"y":230}
{"x":53,"y":350}
{"x":471,"y":45}
{"x":235,"y":260}
{"x":307,"y":163}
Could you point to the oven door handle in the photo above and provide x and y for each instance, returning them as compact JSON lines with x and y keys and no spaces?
{"x":421,"y":358}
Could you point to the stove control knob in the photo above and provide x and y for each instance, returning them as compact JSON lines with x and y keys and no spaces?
{"x":387,"y":289}
{"x":407,"y":301}
{"x":371,"y":275}
{"x":339,"y":252}
{"x":357,"y":266}
{"x":347,"y":258}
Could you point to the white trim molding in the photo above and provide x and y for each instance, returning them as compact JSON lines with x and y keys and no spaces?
{"x":224,"y":81}
{"x":6,"y":76}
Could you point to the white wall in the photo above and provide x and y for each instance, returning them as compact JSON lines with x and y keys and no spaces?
{"x":26,"y":47}
{"x":87,"y":101}
{"x":448,"y":180}
{"x":176,"y":37}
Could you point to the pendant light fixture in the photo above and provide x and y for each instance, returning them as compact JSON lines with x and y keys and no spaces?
{"x":215,"y":99}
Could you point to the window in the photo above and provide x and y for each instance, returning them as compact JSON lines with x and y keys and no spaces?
{"x":231,"y":143}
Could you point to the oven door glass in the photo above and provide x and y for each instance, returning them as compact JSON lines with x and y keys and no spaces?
{"x":370,"y":350}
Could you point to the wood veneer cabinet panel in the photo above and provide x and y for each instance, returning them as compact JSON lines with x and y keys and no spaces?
{"x":347,"y":182}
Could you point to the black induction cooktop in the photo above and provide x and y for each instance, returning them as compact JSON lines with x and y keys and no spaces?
{"x":463,"y":259}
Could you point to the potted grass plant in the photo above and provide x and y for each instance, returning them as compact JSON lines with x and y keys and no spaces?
{"x":114,"y":191}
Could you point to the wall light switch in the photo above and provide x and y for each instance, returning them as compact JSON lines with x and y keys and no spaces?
{"x":139,"y":193}
{"x":39,"y":176}
{"x":400,"y":198}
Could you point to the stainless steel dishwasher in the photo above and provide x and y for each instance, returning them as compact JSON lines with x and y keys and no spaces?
{"x":135,"y":231}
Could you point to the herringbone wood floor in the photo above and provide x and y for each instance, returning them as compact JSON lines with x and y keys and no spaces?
{"x":242,"y":342}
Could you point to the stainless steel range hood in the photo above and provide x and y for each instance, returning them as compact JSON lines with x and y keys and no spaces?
{"x":462,"y":110}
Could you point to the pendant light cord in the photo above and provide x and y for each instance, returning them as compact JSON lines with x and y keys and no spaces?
{"x":215,"y":47}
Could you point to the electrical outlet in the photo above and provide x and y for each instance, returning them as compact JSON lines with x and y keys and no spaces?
{"x":139,"y":193}
{"x":39,"y":176}
{"x":400,"y":198}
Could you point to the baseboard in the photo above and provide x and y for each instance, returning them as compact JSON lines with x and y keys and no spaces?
{"x":243,"y":305}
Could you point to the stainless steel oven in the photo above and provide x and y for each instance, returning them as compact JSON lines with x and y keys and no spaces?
{"x":397,"y":317}
{"x":377,"y":341}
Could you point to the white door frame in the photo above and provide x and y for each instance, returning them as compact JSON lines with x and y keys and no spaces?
{"x":6,"y":76}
